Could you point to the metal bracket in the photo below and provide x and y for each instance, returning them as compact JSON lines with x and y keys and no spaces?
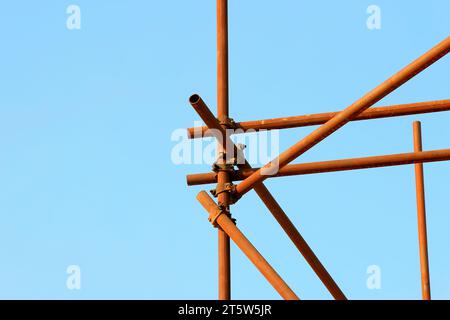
{"x":221,"y":188}
{"x":233,"y":195}
{"x":214,"y":216}
{"x":216,"y":167}
{"x":226,"y":122}
{"x":226,"y":187}
{"x":224,"y":165}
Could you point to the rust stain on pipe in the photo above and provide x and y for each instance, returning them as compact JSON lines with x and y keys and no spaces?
{"x":264,"y":194}
{"x":334,"y":165}
{"x":227,"y":225}
{"x":321,"y":118}
{"x":346,"y":115}
{"x":421,"y":215}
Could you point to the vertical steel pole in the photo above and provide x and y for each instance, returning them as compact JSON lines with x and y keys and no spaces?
{"x":421,"y":214}
{"x":223,"y":113}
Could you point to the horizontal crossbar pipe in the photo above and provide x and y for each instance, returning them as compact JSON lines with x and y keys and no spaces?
{"x":334,"y":165}
{"x":321,"y":118}
{"x":275,"y":209}
{"x":228,"y":226}
{"x":344,"y":116}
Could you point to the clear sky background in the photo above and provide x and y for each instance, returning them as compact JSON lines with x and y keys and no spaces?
{"x":86,"y":118}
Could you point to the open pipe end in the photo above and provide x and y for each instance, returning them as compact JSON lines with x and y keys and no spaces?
{"x":194,"y":99}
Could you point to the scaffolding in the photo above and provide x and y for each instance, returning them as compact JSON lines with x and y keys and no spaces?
{"x":231,"y":165}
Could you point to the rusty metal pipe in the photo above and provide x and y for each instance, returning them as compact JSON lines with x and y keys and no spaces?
{"x":222,"y":113}
{"x":321,"y":118}
{"x":228,"y":226}
{"x":333,"y":166}
{"x":208,"y":118}
{"x":300,"y":243}
{"x":345,"y":116}
{"x":222,"y":59}
{"x":224,"y":265}
{"x":264,"y":194}
{"x":421,"y":215}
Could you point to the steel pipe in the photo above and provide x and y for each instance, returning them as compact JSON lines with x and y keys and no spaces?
{"x":264,"y":194}
{"x":222,"y":112}
{"x":299,"y":242}
{"x":321,"y":118}
{"x":228,"y":226}
{"x":345,"y":116}
{"x":421,"y":215}
{"x":333,"y":166}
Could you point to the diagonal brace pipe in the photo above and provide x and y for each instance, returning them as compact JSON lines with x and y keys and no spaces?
{"x":217,"y":217}
{"x":345,"y":116}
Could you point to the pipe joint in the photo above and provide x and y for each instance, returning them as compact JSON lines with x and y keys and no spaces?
{"x":213,"y":216}
{"x":224,"y":163}
{"x":226,"y":187}
{"x":228,"y":167}
{"x":227,"y":122}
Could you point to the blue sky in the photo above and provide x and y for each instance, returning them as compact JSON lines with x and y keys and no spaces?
{"x":86,"y":118}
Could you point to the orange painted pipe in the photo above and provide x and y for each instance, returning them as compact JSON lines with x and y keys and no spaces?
{"x":264,"y":194}
{"x":227,"y":225}
{"x":333,"y":165}
{"x":321,"y":118}
{"x":345,"y":116}
{"x":421,"y":215}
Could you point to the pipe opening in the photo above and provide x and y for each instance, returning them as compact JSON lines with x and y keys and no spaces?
{"x":195,"y":98}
